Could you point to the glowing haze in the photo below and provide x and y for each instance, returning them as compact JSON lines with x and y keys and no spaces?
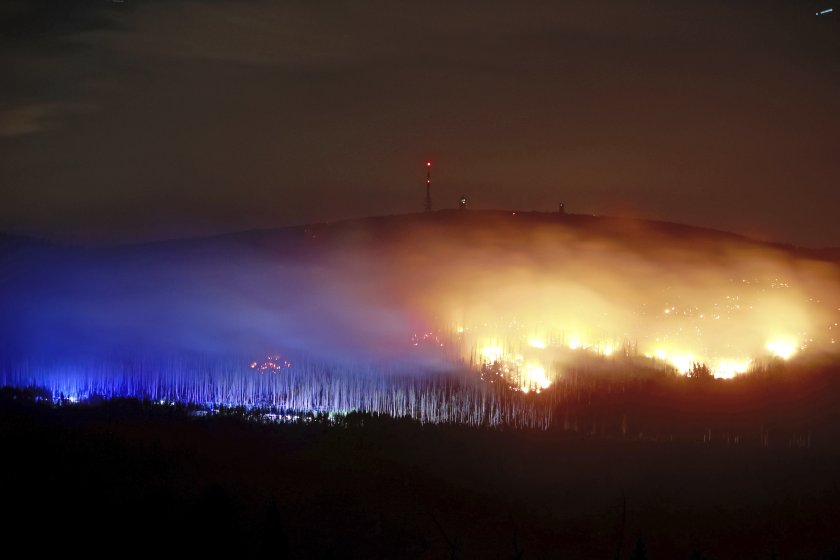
{"x":530,"y":289}
{"x":522,"y":296}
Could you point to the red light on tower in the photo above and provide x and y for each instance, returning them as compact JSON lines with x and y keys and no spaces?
{"x":428,"y":207}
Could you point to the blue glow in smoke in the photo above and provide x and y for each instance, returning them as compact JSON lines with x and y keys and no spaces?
{"x":312,"y":387}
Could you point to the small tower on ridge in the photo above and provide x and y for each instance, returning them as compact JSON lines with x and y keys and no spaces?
{"x":428,"y":206}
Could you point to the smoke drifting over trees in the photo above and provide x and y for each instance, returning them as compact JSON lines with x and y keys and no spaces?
{"x":362,"y":290}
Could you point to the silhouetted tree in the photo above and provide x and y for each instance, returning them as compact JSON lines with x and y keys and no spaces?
{"x":451,"y":543}
{"x":700,"y":372}
{"x":621,"y":526}
{"x":639,"y":551}
{"x":518,"y":552}
{"x":216,"y":514}
{"x":273,"y":542}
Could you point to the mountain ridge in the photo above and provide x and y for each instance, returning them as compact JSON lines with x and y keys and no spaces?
{"x":296,"y":236}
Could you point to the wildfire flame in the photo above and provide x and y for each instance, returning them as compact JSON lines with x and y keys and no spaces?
{"x":541,"y":296}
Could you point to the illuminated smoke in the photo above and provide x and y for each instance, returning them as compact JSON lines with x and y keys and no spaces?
{"x":509,"y":301}
{"x":542,"y":291}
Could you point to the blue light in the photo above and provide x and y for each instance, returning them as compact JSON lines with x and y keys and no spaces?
{"x":826,"y":11}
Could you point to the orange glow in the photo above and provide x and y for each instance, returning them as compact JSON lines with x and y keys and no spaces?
{"x":729,"y":368}
{"x":529,"y":298}
{"x":536,"y":299}
{"x":783,"y":348}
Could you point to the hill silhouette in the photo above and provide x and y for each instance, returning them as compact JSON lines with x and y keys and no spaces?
{"x":380,"y":228}
{"x":298,"y":240}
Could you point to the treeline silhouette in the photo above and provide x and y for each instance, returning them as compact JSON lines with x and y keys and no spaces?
{"x":131,"y":476}
{"x":789,"y":404}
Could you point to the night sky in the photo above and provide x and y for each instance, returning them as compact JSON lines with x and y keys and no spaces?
{"x":140,"y":120}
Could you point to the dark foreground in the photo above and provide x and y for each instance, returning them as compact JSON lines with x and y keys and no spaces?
{"x":130,"y":477}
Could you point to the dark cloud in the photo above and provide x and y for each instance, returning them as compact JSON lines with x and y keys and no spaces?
{"x":180,"y":118}
{"x":55,"y":23}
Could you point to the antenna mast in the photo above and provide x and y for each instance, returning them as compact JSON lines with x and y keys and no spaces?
{"x":428,"y":207}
